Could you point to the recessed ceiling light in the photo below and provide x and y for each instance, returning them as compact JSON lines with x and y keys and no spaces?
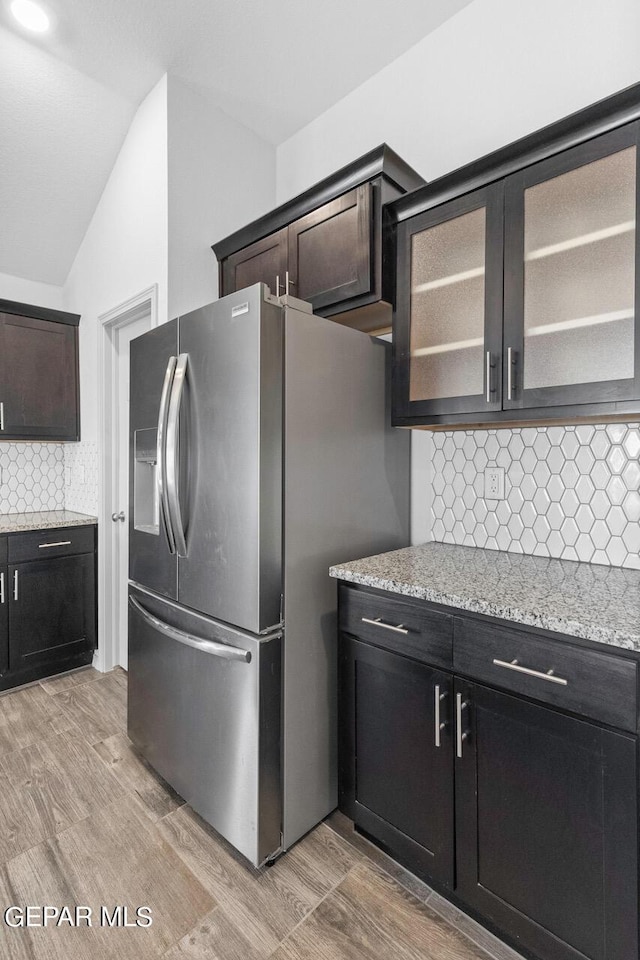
{"x":30,"y":15}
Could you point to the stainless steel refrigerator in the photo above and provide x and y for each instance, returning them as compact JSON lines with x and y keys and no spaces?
{"x":261,"y":453}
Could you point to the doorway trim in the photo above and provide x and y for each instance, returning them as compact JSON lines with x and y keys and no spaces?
{"x":135,"y":308}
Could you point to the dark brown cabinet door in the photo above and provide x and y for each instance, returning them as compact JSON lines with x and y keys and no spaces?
{"x":38,"y":379}
{"x":262,"y":262}
{"x":448,"y":335}
{"x":546,"y":827}
{"x":4,"y":619}
{"x":330,"y":250}
{"x":571,"y":283}
{"x":51,"y":610}
{"x":397,"y":714}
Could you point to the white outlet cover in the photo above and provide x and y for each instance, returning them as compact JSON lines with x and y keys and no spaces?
{"x":494,"y":483}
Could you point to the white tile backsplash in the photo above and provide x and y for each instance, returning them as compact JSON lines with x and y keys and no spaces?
{"x":570,"y":491}
{"x":48,"y":476}
{"x":81,"y":477}
{"x":31,"y":477}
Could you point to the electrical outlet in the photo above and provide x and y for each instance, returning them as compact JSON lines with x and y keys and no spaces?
{"x":494,"y":483}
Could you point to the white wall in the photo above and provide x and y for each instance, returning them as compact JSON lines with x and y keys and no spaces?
{"x":494,"y":72}
{"x":31,"y":291}
{"x":125,"y":248}
{"x":221,"y":176}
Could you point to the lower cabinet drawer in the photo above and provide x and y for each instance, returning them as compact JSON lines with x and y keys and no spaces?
{"x":397,"y":625}
{"x":56,"y":542}
{"x":596,"y":685}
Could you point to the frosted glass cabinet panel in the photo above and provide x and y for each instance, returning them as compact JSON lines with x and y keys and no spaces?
{"x":453,"y":299}
{"x":447,"y":308}
{"x":570,"y":295}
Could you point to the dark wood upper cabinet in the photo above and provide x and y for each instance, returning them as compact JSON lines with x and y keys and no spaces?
{"x":39,"y":396}
{"x":330,"y":250}
{"x":448,"y":354}
{"x":543,"y":324}
{"x":330,"y":245}
{"x":264,"y":261}
{"x":571,"y":277}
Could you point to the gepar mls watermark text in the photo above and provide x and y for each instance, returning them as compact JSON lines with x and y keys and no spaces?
{"x":77,"y":916}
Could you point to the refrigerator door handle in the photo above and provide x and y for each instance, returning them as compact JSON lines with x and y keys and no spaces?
{"x":171,"y":450}
{"x":223,"y":650}
{"x":160,"y":453}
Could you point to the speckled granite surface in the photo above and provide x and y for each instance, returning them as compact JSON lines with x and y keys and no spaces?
{"x":43,"y":520}
{"x":580,"y":599}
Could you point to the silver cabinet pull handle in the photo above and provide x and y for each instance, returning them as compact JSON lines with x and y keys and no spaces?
{"x":1,"y":587}
{"x":288,"y":282}
{"x":1,"y":415}
{"x":488,"y":394}
{"x":509,"y":374}
{"x":277,"y":285}
{"x":15,"y":584}
{"x":58,"y":543}
{"x":387,"y":626}
{"x":188,"y":639}
{"x":171,"y":449}
{"x":460,"y":735}
{"x":438,"y":724}
{"x":161,"y":460}
{"x":514,"y":665}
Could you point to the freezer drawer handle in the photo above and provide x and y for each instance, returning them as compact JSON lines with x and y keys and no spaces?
{"x":58,"y":543}
{"x":223,"y":650}
{"x":514,"y":665}
{"x":387,"y":626}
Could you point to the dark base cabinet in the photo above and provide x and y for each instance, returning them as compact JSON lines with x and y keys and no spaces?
{"x":546,"y":823}
{"x":520,"y":811}
{"x":48,"y":608}
{"x":411,"y":806}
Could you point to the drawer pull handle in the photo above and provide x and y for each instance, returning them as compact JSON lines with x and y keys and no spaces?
{"x":1,"y":587}
{"x":387,"y":626}
{"x":439,"y":725}
{"x":514,"y":665}
{"x":15,"y":584}
{"x":58,"y":543}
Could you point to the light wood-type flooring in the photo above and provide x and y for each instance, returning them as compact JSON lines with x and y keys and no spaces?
{"x":83,"y":821}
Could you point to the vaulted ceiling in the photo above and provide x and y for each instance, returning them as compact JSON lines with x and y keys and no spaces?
{"x":67,"y":98}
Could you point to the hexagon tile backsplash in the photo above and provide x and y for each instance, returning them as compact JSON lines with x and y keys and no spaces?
{"x":31,"y":477}
{"x":570,"y":492}
{"x":48,"y":476}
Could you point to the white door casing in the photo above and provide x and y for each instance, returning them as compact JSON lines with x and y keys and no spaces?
{"x":118,"y":327}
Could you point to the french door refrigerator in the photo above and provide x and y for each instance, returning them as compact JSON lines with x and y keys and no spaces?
{"x":261,"y":453}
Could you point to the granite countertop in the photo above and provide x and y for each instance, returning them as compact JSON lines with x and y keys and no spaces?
{"x":42,"y":520}
{"x":584,"y":600}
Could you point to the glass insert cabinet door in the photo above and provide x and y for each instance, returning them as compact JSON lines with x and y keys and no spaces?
{"x":571,"y":278}
{"x":449,"y":354}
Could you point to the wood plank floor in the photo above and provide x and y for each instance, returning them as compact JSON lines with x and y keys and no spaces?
{"x":84,"y":821}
